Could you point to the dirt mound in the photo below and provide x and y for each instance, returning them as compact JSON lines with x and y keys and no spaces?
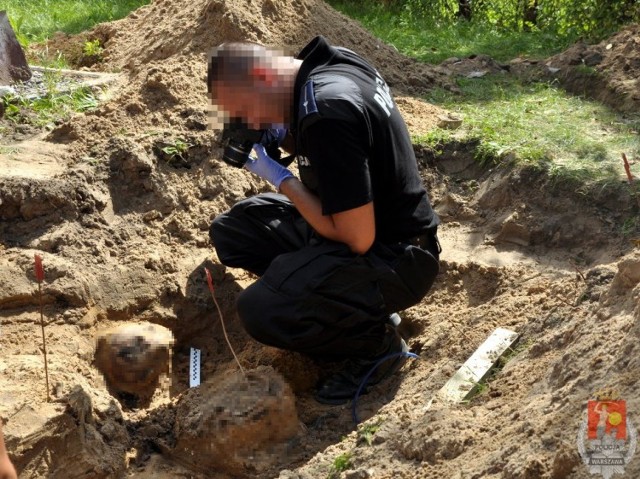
{"x":161,"y":50}
{"x":224,"y":424}
{"x":608,"y":72}
{"x":168,"y":28}
{"x":81,"y":436}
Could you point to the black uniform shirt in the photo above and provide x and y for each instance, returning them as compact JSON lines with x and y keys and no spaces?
{"x":353,"y":146}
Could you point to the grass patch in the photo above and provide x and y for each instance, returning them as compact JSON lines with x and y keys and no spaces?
{"x":340,"y":464}
{"x":631,"y":227}
{"x":540,"y":124}
{"x":536,"y":123}
{"x":176,"y":149}
{"x":432,"y":43}
{"x":8,"y":150}
{"x":36,"y":20}
{"x":50,"y":109}
{"x":367,"y":431}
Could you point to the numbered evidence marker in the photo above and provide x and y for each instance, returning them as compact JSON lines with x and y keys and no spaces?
{"x":194,"y":368}
{"x":460,"y":387}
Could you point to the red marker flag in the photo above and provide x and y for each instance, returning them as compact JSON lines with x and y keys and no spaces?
{"x":209,"y":280}
{"x":38,"y":268}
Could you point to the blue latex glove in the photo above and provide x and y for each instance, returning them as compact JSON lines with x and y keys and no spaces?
{"x":267,"y":168}
{"x":278,"y":134}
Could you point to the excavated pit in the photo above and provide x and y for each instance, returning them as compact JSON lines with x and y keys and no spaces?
{"x":123,"y":232}
{"x":512,"y":241}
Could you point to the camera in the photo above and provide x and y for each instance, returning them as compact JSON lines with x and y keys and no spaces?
{"x":238,"y":141}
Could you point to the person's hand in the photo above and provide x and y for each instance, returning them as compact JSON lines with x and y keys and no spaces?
{"x":7,"y":471}
{"x":278,"y":134}
{"x":267,"y":168}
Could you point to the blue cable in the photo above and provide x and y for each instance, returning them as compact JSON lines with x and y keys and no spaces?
{"x":366,"y":378}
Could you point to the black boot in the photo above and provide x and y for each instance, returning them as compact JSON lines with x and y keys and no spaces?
{"x":343,"y":385}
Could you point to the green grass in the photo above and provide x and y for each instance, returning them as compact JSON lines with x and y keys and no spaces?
{"x":37,"y":20}
{"x":340,"y":464}
{"x":541,"y":124}
{"x":367,"y":431}
{"x":49,"y":109}
{"x":536,"y":123}
{"x":432,"y":43}
{"x":8,"y":150}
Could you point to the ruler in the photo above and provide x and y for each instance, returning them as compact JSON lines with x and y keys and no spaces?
{"x":194,"y":368}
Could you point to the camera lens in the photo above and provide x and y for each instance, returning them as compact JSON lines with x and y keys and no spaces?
{"x":238,"y":141}
{"x":236,"y":153}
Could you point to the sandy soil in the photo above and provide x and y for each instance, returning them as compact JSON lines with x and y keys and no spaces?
{"x":122,"y":230}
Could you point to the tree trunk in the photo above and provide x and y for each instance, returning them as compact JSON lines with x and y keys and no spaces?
{"x":530,"y":15}
{"x":464,"y":9}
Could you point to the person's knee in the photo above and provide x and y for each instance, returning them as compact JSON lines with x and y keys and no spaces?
{"x":254,"y":305}
{"x":221,"y":237}
{"x":226,"y":228}
{"x":216,"y":229}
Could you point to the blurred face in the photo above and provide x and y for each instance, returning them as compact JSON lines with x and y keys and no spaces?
{"x":257,"y":106}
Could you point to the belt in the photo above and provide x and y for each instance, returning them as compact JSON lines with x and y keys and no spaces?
{"x":427,"y":241}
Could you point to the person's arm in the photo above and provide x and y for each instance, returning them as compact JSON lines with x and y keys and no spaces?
{"x":7,"y":471}
{"x":354,"y":227}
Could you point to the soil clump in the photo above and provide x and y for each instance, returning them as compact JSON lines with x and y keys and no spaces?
{"x":233,"y":424}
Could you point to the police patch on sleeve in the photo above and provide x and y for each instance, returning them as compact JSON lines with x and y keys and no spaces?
{"x":308,"y":104}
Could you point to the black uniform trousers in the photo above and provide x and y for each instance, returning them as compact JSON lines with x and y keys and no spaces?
{"x":314,"y":295}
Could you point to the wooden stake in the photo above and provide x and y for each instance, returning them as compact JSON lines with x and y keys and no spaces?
{"x":224,"y":330}
{"x":627,"y":169}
